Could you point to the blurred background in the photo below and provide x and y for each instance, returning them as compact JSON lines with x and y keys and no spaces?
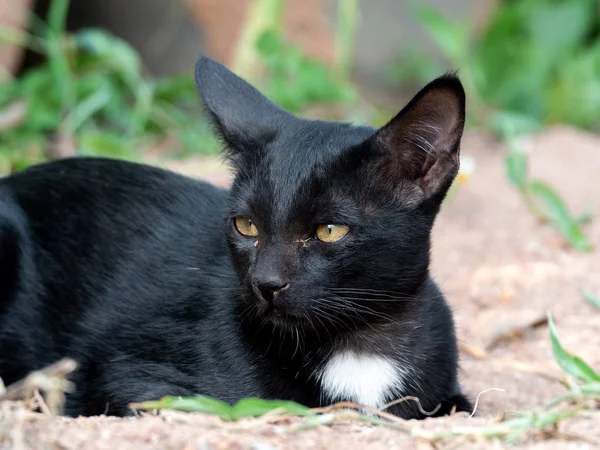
{"x":516,"y":237}
{"x":114,"y":77}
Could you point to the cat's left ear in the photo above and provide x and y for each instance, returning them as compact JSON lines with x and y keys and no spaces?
{"x":242,"y":116}
{"x":421,"y":143}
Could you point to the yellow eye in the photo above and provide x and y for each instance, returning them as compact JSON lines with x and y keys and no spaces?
{"x":327,"y":232}
{"x":245,"y":226}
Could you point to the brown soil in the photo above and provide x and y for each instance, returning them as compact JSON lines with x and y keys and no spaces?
{"x":500,"y":269}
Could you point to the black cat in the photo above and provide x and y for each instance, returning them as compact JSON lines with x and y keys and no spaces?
{"x":307,"y":281}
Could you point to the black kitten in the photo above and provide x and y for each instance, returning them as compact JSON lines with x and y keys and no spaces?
{"x":307,"y":281}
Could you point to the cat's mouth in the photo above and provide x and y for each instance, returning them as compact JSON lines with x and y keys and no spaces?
{"x":281,"y":317}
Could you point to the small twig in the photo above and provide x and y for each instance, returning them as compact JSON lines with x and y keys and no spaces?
{"x":417,"y":401}
{"x":516,"y":331}
{"x":52,"y":380}
{"x":472,"y":350}
{"x":392,"y":419}
{"x":479,"y":395}
{"x":39,"y":400}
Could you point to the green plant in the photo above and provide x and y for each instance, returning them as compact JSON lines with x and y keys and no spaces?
{"x":249,"y":407}
{"x":591,"y":299}
{"x":90,"y":94}
{"x":541,"y":199}
{"x":519,"y":74}
{"x":520,"y":63}
{"x":283,"y":71}
{"x":295,"y":81}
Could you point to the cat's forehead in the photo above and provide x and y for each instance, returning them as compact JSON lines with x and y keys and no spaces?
{"x":284,"y":177}
{"x":302,"y":152}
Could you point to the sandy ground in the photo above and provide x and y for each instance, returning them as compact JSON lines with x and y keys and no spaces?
{"x":500,"y":269}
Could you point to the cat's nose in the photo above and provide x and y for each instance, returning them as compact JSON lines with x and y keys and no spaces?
{"x":270,"y":287}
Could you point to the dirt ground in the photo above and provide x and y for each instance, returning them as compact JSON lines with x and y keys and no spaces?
{"x":500,"y":269}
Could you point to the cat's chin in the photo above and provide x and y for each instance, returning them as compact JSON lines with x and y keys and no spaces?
{"x":284,"y":319}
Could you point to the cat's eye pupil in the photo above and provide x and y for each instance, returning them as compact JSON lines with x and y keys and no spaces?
{"x":245,"y":226}
{"x":329,"y":232}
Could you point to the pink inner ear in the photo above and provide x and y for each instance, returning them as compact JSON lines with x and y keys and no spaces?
{"x":435,"y":122}
{"x":422,"y":141}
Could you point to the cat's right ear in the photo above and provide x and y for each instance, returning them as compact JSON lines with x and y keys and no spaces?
{"x":241,"y":115}
{"x":417,"y":152}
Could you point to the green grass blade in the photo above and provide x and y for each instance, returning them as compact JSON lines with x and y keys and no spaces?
{"x":571,"y":364}
{"x":249,"y":407}
{"x":591,"y":389}
{"x":590,"y":374}
{"x":57,"y":16}
{"x":199,"y":404}
{"x":591,"y":298}
{"x":558,"y":214}
{"x":144,"y":98}
{"x":84,"y":110}
{"x":254,"y":407}
{"x":14,"y":36}
{"x":111,"y":52}
{"x":57,"y":52}
{"x":516,"y":168}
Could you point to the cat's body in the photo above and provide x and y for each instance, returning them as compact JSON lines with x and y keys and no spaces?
{"x":149,"y":281}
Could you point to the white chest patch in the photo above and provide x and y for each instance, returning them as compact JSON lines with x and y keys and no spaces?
{"x":367,"y":379}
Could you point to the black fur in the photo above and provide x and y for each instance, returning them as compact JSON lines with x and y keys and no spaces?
{"x":141,"y":276}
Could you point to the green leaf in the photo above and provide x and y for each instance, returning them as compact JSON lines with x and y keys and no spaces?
{"x":85,"y":109}
{"x":509,"y":125}
{"x":269,"y":43}
{"x":199,"y":404}
{"x":111,"y":52}
{"x":574,"y":95}
{"x":56,"y":44}
{"x":591,"y":298}
{"x":249,"y":407}
{"x":105,"y":144}
{"x":175,"y":89}
{"x":294,"y":80}
{"x":514,"y":123}
{"x":591,"y":389}
{"x":576,"y":18}
{"x":516,"y":168}
{"x":254,"y":407}
{"x":144,"y":96}
{"x":57,"y":16}
{"x":589,"y":374}
{"x":58,"y":63}
{"x":556,"y":211}
{"x":571,"y":364}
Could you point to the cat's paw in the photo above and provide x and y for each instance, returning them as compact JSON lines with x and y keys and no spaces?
{"x":456,"y":403}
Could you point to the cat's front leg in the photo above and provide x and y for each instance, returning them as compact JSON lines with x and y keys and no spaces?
{"x":113,"y":388}
{"x":117,"y":403}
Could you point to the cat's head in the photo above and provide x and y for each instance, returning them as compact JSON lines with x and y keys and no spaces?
{"x":329,"y":223}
